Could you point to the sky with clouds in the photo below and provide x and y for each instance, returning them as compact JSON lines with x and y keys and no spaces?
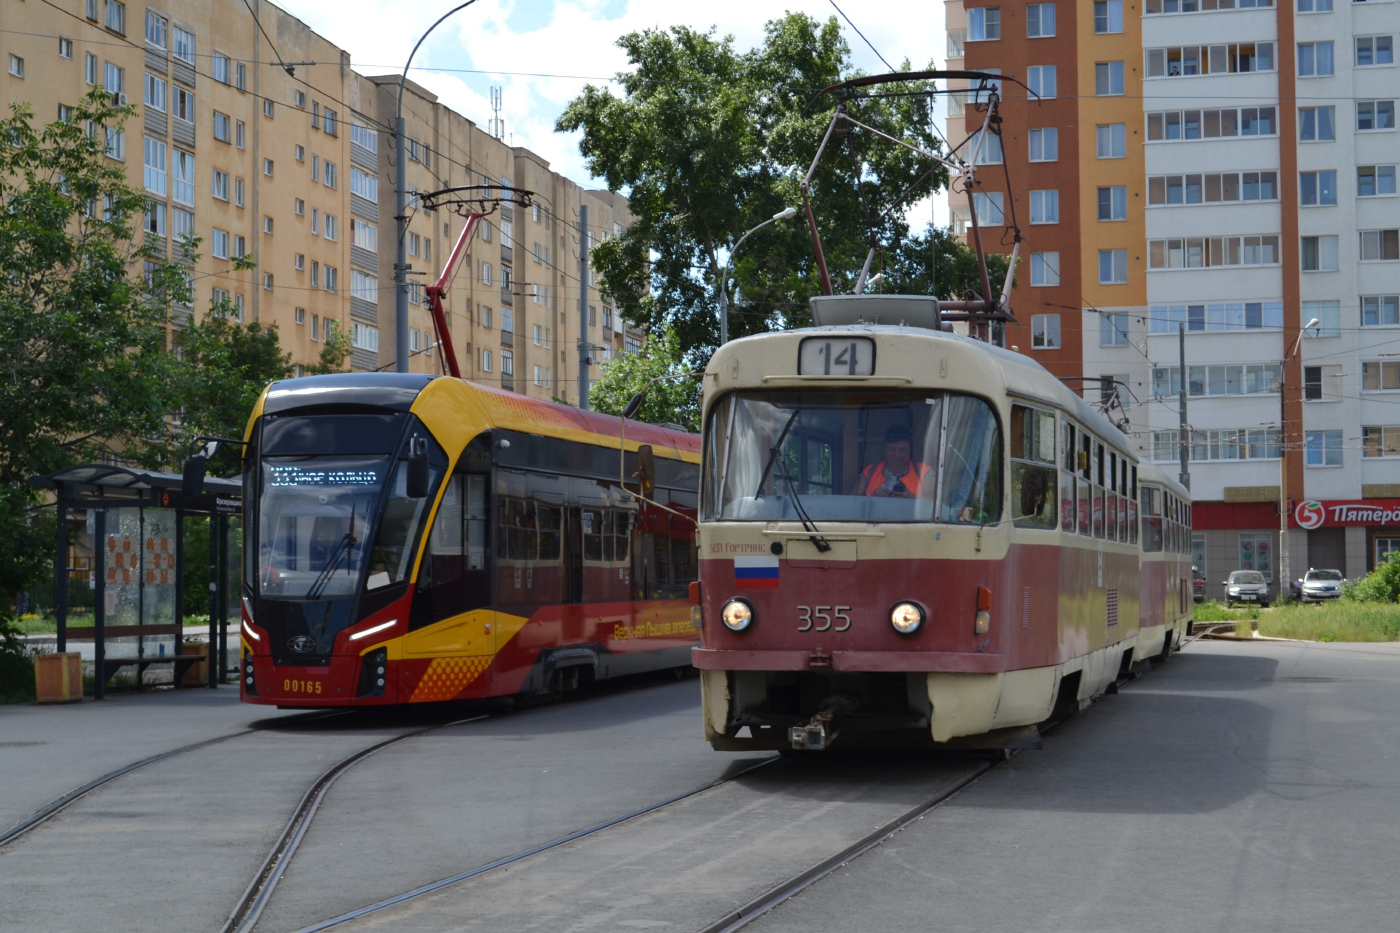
{"x":526,"y":47}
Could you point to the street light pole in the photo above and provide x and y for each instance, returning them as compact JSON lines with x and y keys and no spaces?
{"x":1285,"y":571}
{"x":783,"y":214}
{"x":401,"y":210}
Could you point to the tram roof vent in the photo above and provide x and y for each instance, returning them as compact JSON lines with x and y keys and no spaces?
{"x":904,"y":310}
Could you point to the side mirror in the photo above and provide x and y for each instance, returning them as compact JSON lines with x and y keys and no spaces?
{"x":634,"y":404}
{"x":418,"y":478}
{"x":646,"y":469}
{"x":192,"y":480}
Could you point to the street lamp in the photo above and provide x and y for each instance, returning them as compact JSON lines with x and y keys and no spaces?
{"x":783,"y":214}
{"x":1285,"y":571}
{"x":401,"y":215}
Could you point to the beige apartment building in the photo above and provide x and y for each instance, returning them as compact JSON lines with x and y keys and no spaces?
{"x":253,"y":133}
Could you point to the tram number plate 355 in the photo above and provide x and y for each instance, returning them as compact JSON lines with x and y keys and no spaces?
{"x":821,"y":618}
{"x":836,"y":356}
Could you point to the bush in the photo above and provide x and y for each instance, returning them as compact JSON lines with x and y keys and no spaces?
{"x":16,"y":666}
{"x":1381,"y":585}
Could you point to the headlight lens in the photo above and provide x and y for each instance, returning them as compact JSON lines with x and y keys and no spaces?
{"x":737,"y":615}
{"x":907,"y":618}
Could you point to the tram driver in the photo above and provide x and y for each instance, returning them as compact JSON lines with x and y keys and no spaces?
{"x":898,"y":475}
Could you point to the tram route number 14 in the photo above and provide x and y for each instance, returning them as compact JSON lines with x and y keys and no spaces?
{"x":851,"y":356}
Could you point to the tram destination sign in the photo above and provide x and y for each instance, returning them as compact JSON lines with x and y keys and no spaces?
{"x":836,"y":356}
{"x":1338,"y":513}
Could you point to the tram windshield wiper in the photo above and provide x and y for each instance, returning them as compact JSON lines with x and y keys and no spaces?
{"x":340,"y":552}
{"x":815,"y":535}
{"x":774,"y":453}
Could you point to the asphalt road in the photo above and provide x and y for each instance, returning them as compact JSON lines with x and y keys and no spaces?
{"x":1242,"y":786}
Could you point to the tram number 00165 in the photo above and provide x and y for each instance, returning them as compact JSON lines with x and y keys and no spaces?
{"x":301,"y":686}
{"x":843,"y":356}
{"x":819,"y":618}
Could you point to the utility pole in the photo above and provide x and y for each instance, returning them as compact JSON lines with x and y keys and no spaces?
{"x":1184,"y":435}
{"x":1284,"y":579}
{"x":401,"y":248}
{"x":583,"y":345}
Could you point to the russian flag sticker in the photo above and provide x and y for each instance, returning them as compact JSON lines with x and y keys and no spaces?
{"x":756,"y":573}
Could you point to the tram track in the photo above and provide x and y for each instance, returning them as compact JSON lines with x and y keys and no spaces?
{"x":53,"y":809}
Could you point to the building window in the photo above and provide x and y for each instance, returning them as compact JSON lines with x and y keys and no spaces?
{"x":1040,"y":20}
{"x":299,"y":262}
{"x":507,"y":363}
{"x":316,"y":169}
{"x":240,"y":134}
{"x":1108,"y":16}
{"x":1041,"y":80}
{"x":315,"y":222}
{"x":1112,"y":141}
{"x":113,"y":79}
{"x":1380,"y":441}
{"x":182,"y":105}
{"x":1374,"y":50}
{"x":221,"y":188}
{"x":329,"y":175}
{"x":1113,"y":203}
{"x":1375,"y":115}
{"x":1380,"y":310}
{"x":223,"y":127}
{"x":983,"y":23}
{"x":301,"y":316}
{"x":1315,"y":59}
{"x":221,"y":70}
{"x":315,"y":274}
{"x":268,"y":108}
{"x":1108,"y":79}
{"x":182,"y":181}
{"x":1113,"y":329}
{"x":1317,"y":123}
{"x":1045,"y":269}
{"x":330,"y":279}
{"x":988,"y":206}
{"x":363,"y":235}
{"x":154,"y":222}
{"x":1317,"y":188}
{"x":1045,"y":206}
{"x":267,"y":281}
{"x":238,"y":192}
{"x":1045,"y":144}
{"x":1319,"y":254}
{"x":267,"y":167}
{"x":16,"y":66}
{"x":542,"y":376}
{"x":486,"y":361}
{"x":1312,"y":383}
{"x":1113,"y":266}
{"x":116,"y":16}
{"x":1045,"y":331}
{"x":1380,"y":376}
{"x":90,"y":68}
{"x":1209,"y":252}
{"x":1186,"y":61}
{"x":315,"y":326}
{"x":484,"y":316}
{"x":299,"y":153}
{"x":1375,"y":180}
{"x":219,"y":243}
{"x":364,"y":337}
{"x":240,"y":245}
{"x":1309,"y":6}
{"x":332,"y":227}
{"x":181,"y":223}
{"x":367,"y":186}
{"x":508,"y":320}
{"x":364,"y":286}
{"x":183,"y":45}
{"x":155,"y":165}
{"x":1257,"y":553}
{"x":1379,"y":245}
{"x":156,"y":27}
{"x":330,"y":124}
{"x":985,"y":149}
{"x":362,"y":135}
{"x":1324,"y":448}
{"x":1328,"y":315}
{"x":267,"y":224}
{"x":486,"y":273}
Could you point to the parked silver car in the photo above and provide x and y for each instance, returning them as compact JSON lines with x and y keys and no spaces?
{"x":1318,"y":586}
{"x":1247,"y":586}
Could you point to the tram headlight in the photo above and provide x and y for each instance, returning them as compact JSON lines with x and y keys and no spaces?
{"x":907,"y":618}
{"x":737,"y":615}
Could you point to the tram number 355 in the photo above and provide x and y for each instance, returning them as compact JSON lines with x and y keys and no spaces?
{"x":848,"y":356}
{"x":819,"y":618}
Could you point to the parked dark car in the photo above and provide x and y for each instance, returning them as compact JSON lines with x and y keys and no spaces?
{"x":1247,"y":586}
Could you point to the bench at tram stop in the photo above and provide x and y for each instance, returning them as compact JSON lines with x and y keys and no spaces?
{"x":189,"y":661}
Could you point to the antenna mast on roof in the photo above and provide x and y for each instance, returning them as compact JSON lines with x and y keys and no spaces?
{"x":497,"y":126}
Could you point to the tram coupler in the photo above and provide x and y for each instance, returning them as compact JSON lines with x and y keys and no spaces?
{"x":813,"y":736}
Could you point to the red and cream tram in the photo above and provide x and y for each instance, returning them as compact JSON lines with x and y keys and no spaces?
{"x":908,"y":536}
{"x":412,"y":538}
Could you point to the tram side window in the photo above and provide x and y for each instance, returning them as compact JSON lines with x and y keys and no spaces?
{"x":1098,"y":493}
{"x":1111,"y":497}
{"x":663,"y":560}
{"x":1151,"y":519}
{"x":453,"y":578}
{"x":1033,"y":479}
{"x":1133,"y":509}
{"x":1085,"y":493}
{"x":1067,"y":459}
{"x":395,"y":544}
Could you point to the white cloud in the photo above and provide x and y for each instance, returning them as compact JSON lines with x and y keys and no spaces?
{"x":575,"y":37}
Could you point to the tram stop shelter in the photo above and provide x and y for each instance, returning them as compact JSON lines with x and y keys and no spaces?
{"x":119,"y":561}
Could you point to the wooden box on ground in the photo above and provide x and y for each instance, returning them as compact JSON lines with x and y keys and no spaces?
{"x":197,"y":674}
{"x":58,"y":678}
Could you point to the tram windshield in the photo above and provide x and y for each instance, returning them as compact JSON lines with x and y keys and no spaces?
{"x":864,"y":456}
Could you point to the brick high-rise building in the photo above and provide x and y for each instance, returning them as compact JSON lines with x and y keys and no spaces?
{"x":1226,"y":165}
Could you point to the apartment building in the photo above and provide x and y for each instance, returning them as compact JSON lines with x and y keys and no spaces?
{"x":255,"y":134}
{"x":1233,"y":177}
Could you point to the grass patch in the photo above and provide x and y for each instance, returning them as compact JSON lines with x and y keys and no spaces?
{"x":39,"y":625}
{"x":1334,"y":621}
{"x":1214,"y":610}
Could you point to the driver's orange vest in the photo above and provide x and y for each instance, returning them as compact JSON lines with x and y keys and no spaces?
{"x":875,"y":477}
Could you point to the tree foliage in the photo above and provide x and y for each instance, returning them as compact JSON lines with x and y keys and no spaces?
{"x":672,"y":395}
{"x":1381,"y":585}
{"x":709,"y":141}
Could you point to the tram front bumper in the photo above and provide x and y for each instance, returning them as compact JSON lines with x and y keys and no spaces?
{"x":953,"y":662}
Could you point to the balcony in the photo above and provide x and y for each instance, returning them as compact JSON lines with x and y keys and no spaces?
{"x":507,"y":298}
{"x":507,"y":338}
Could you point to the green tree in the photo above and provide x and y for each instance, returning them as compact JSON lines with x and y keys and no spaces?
{"x":709,"y":141}
{"x":674,"y":400}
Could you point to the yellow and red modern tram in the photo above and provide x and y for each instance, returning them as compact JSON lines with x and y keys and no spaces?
{"x":908,"y":536}
{"x":415,"y":538}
